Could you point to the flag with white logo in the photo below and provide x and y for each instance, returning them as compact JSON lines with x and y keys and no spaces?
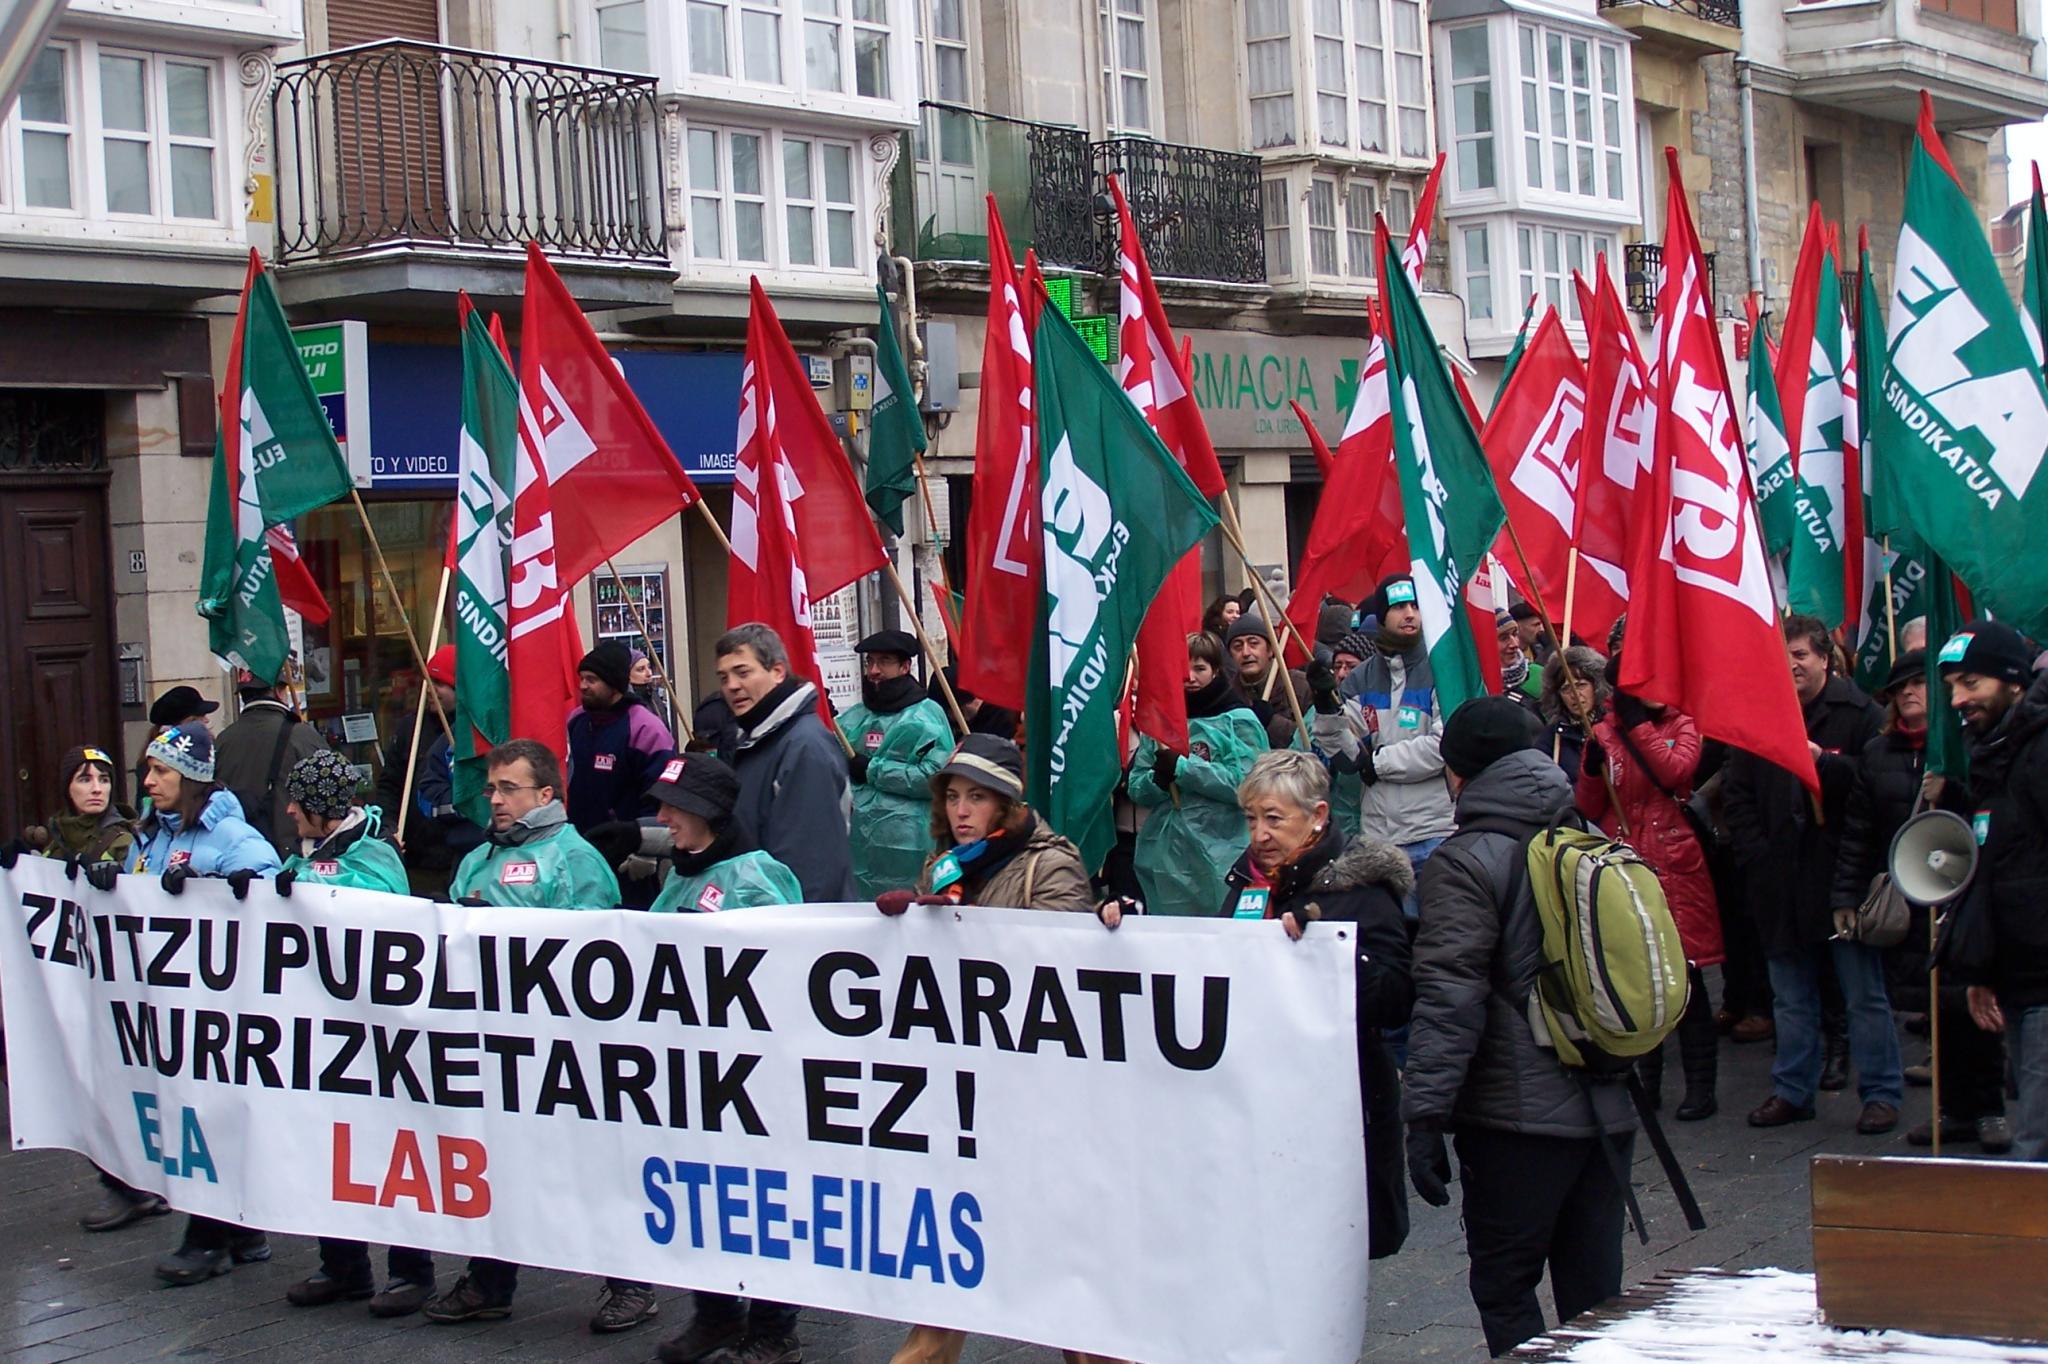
{"x":1621,"y":434}
{"x":1533,"y":440}
{"x":1770,"y":452}
{"x":486,"y":461}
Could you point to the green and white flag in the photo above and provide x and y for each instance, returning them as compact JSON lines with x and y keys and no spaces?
{"x":1117,"y":512}
{"x":1964,"y":417}
{"x":1770,"y":453}
{"x":484,"y":487}
{"x":1453,"y":512}
{"x":1814,"y":572}
{"x":274,"y":458}
{"x":1903,"y":588}
{"x":895,"y":429}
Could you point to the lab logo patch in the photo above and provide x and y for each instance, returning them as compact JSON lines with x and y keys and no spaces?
{"x":519,"y":874}
{"x":872,"y":740}
{"x":604,"y":762}
{"x":712,"y":900}
{"x":180,"y":858}
{"x":326,"y":868}
{"x":673,"y":770}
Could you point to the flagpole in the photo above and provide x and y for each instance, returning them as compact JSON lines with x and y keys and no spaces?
{"x":412,"y":640}
{"x":931,"y":652}
{"x":1891,"y":612}
{"x":419,"y":714}
{"x":1571,"y":586}
{"x":648,"y":639}
{"x":931,"y":521}
{"x":1235,"y":535}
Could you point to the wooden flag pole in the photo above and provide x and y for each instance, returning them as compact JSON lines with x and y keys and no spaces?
{"x":931,"y":652}
{"x":419,"y":714}
{"x":675,"y":704}
{"x":412,"y":640}
{"x":1891,"y":612}
{"x":1571,"y":587}
{"x":1271,"y":614}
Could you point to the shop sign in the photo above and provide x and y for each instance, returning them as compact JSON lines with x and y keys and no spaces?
{"x":1245,"y":381}
{"x":337,"y":359}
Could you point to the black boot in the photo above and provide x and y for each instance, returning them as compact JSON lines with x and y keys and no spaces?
{"x":1650,"y":1070}
{"x":1834,"y":1070}
{"x":1699,"y":1050}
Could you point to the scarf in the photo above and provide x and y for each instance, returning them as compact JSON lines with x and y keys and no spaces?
{"x":338,"y":838}
{"x":1914,"y":735}
{"x":1513,"y":675}
{"x":1214,"y":699}
{"x":545,"y":820}
{"x":768,"y":704}
{"x":722,"y":846}
{"x":891,"y":695}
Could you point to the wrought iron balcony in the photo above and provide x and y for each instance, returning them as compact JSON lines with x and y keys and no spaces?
{"x":1642,"y":275}
{"x":1040,"y":174}
{"x":396,"y":144}
{"x":1197,"y":208}
{"x":1727,"y":13}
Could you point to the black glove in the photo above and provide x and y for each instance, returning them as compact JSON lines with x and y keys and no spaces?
{"x":282,"y":882}
{"x":71,"y":866}
{"x":615,"y":841}
{"x":1165,"y":764}
{"x":1429,"y":1165}
{"x":1630,"y":710}
{"x":857,"y":769}
{"x":238,"y":882}
{"x":12,"y":852}
{"x":1322,"y":686}
{"x":101,"y":875}
{"x":1367,"y":773}
{"x":1594,"y":761}
{"x":175,"y":876}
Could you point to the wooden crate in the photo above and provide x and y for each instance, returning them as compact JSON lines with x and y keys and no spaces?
{"x":1944,"y":1247}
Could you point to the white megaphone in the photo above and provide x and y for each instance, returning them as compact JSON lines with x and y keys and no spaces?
{"x":1934,"y":855}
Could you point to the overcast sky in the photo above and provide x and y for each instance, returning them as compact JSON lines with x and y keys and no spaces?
{"x":2026,"y":144}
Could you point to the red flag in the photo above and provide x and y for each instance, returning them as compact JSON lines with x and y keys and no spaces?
{"x":1621,"y":433}
{"x":1417,"y":249}
{"x":1034,"y":278}
{"x":1802,"y":321}
{"x":1319,"y":447}
{"x":1703,"y":624}
{"x":1003,"y":553}
{"x":1533,"y":441}
{"x":296,"y":587}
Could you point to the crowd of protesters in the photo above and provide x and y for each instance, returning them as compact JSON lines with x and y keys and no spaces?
{"x":1337,"y":791}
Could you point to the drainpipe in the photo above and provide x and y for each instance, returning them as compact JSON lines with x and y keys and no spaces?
{"x":1749,"y":208}
{"x":908,"y":273}
{"x":565,"y":30}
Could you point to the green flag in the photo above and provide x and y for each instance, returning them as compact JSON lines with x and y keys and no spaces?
{"x":895,"y":430}
{"x":1948,"y":754}
{"x":1903,"y":590}
{"x":1117,"y":512}
{"x":1507,"y":369}
{"x":1911,"y":590}
{"x":1964,"y":416}
{"x":1814,"y":571}
{"x":274,"y":458}
{"x":484,"y":488}
{"x":1770,"y":453}
{"x":2034,"y":281}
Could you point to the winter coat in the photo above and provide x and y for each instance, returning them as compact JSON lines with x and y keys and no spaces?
{"x":2008,"y":899}
{"x":355,"y":855}
{"x":222,"y":842}
{"x":743,"y":881}
{"x":892,"y":809}
{"x":1044,"y":873}
{"x":1657,"y":828}
{"x":1787,"y":860}
{"x":252,"y":758}
{"x":445,"y":836}
{"x":1274,"y":713}
{"x":793,"y":801}
{"x":106,"y":837}
{"x":1186,"y":846}
{"x":427,"y":843}
{"x":1473,"y":1059}
{"x":1361,"y":881}
{"x":1346,"y":792}
{"x":1411,"y":800}
{"x":539,"y":863}
{"x":1566,"y":741}
{"x":614,"y":756}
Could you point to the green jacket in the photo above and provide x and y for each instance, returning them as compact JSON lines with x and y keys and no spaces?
{"x":742,"y":881}
{"x":892,"y":809}
{"x":353,"y":856}
{"x":539,"y":863}
{"x":1346,"y":791}
{"x":1185,"y":850}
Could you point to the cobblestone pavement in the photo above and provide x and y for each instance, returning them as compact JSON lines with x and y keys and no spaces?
{"x":68,"y":1295}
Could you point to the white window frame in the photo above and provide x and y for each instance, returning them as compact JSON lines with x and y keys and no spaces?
{"x":1111,"y":16}
{"x":1484,"y":141}
{"x":776,"y":203}
{"x":1371,"y":61}
{"x":1345,"y":237}
{"x":1276,"y":195}
{"x":14,"y":186}
{"x":1529,"y":238}
{"x":1557,"y":101}
{"x":1482,"y":304}
{"x":929,"y":45}
{"x":650,"y":30}
{"x":1286,"y":96}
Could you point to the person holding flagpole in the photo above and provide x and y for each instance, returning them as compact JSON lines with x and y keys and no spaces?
{"x":899,"y":736}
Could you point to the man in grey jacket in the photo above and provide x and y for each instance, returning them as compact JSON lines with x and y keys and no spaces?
{"x":258,"y":751}
{"x":1539,"y":1188}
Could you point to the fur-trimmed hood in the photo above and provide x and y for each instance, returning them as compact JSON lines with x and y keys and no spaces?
{"x":1367,"y":861}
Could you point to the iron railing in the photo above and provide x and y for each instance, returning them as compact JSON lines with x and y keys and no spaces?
{"x":1039,"y":173}
{"x":1197,"y":208}
{"x":399,"y":143}
{"x":1727,"y":13}
{"x":1642,"y":275}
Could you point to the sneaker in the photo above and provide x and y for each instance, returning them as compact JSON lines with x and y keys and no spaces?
{"x":118,"y":1210}
{"x":1993,"y":1134}
{"x":1877,"y":1118}
{"x":401,"y":1299}
{"x":1753,"y":1030}
{"x":1954,"y":1131}
{"x":249,"y":1247}
{"x":1920,"y":1076}
{"x":323,"y":1288}
{"x":464,"y":1302}
{"x":621,"y":1309}
{"x":1775,"y":1112}
{"x":703,"y":1337}
{"x":189,"y":1265}
{"x":760,"y":1349}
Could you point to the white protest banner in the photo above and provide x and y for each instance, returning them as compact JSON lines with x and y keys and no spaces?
{"x":1144,"y":1143}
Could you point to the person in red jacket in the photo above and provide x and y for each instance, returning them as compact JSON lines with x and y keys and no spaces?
{"x":1644,"y":756}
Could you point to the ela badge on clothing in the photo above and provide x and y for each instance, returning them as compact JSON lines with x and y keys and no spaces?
{"x":946,"y":872}
{"x":519,"y":873}
{"x":1252,"y":902}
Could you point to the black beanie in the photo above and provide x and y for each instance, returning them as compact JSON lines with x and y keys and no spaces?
{"x":612,"y":663}
{"x":1483,"y":731}
{"x":1376,"y":604}
{"x":1989,"y":648}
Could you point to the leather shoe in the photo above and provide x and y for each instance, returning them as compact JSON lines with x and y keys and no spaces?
{"x":1775,"y":1112}
{"x":1753,"y":1030}
{"x":1878,"y":1118}
{"x":1993,"y":1134}
{"x":401,"y":1299}
{"x":1920,"y":1076}
{"x":118,"y":1210}
{"x":1954,"y":1131}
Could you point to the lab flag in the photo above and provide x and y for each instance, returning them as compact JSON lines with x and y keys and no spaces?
{"x":274,"y":458}
{"x":487,"y":462}
{"x":895,"y":430}
{"x":1621,"y":435}
{"x":1117,"y":512}
{"x":1703,"y":633}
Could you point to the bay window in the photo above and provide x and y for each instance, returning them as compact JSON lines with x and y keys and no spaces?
{"x":1472,"y":107}
{"x":1337,"y":215}
{"x":1273,"y":196}
{"x":622,"y":43}
{"x":771,"y":198}
{"x":1572,"y":113}
{"x":47,"y":129}
{"x":1361,"y":68}
{"x":1322,"y":226}
{"x":1548,"y":256}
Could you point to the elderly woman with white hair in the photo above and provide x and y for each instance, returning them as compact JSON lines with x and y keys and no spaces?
{"x":1300,"y":868}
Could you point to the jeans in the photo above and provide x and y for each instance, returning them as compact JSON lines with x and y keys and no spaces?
{"x":349,"y":1261}
{"x":1873,"y":1041}
{"x":2026,"y":1040}
{"x":1418,"y":853}
{"x":210,"y":1233}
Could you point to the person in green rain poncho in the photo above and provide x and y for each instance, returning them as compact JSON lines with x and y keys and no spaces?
{"x":713,"y":868}
{"x":531,"y":857}
{"x":1195,"y":831}
{"x":339,"y":840}
{"x":899,"y":738}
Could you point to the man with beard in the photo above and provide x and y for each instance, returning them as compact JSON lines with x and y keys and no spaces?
{"x":617,"y":744}
{"x":900,"y":737}
{"x":1991,"y":684}
{"x":1383,"y":725}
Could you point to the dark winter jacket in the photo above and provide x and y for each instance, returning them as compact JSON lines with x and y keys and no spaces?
{"x":1473,"y":1060}
{"x":614,"y":756}
{"x":1650,"y":780}
{"x":1787,"y":860}
{"x":1361,"y":881}
{"x":437,"y":836}
{"x":2009,"y":896}
{"x":253,"y":756}
{"x":426,"y":842}
{"x":1887,"y":787}
{"x":1566,"y":741}
{"x":794,"y":803}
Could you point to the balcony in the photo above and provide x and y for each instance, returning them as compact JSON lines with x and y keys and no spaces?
{"x":1642,"y":276}
{"x":1690,"y":28}
{"x":1197,"y":209}
{"x":1983,"y":67}
{"x":408,"y":171}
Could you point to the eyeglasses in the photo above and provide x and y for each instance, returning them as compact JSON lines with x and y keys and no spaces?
{"x":508,"y":789}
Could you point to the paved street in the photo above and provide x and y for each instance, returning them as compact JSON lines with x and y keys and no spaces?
{"x":67,"y":1295}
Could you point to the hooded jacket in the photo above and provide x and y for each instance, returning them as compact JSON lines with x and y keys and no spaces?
{"x":1669,"y":748}
{"x":2009,"y":897}
{"x":355,"y":855}
{"x":222,"y":841}
{"x":538,"y":863}
{"x":1411,"y":800}
{"x":793,"y":802}
{"x":905,"y":738}
{"x":724,"y":876}
{"x":1187,"y":845}
{"x":1473,"y":1059}
{"x":252,"y":757}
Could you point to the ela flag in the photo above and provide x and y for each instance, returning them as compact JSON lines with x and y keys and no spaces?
{"x":1948,"y":753}
{"x":1964,"y":413}
{"x":1621,"y":435}
{"x":1815,"y":572}
{"x":1533,"y":442}
{"x":1118,"y":512}
{"x":274,"y":458}
{"x":895,"y":430}
{"x":1452,"y":510}
{"x":1703,"y":633}
{"x":1001,"y":614}
{"x":486,"y":475}
{"x":1770,"y":453}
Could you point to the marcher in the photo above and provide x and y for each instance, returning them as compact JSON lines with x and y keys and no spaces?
{"x":1301,"y":868}
{"x":616,"y":743}
{"x":1520,"y":681}
{"x":1335,"y":619}
{"x":1644,"y":756}
{"x":899,"y":737}
{"x":1535,"y":639}
{"x":1251,"y":650}
{"x":998,"y":853}
{"x":1195,"y":830}
{"x":710,"y":867}
{"x":180,"y":705}
{"x":1569,"y":703}
{"x":982,"y":716}
{"x":1345,"y":788}
{"x":266,"y":741}
{"x":1788,"y":859}
{"x":433,"y":839}
{"x":1221,"y":615}
{"x":1539,"y":1187}
{"x":793,"y":790}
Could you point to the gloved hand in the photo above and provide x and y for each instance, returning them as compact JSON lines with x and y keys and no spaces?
{"x":1322,"y":686}
{"x":1368,"y":775}
{"x":175,"y":876}
{"x":1630,"y":710}
{"x":1594,"y":761}
{"x":473,"y":902}
{"x":1429,"y":1164}
{"x":857,"y":769}
{"x":894,"y":902}
{"x":238,"y":882}
{"x":1165,"y":764}
{"x":282,"y":882}
{"x":101,"y":875}
{"x":615,"y":840}
{"x":12,"y":852}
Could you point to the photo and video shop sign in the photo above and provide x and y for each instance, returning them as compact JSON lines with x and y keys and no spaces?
{"x":1144,"y":1143}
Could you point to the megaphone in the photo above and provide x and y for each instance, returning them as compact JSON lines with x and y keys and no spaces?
{"x":1934,"y":855}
